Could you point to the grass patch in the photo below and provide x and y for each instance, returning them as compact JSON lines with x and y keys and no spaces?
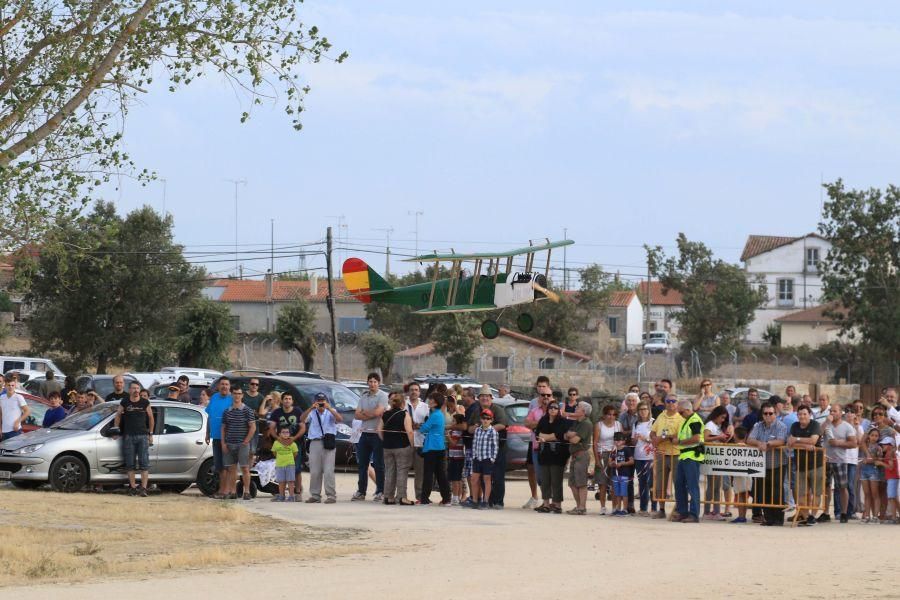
{"x":47,"y":537}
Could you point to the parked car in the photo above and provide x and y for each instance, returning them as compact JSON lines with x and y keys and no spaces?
{"x":101,"y":384}
{"x":518,"y":436}
{"x":38,"y":407}
{"x":308,"y":374}
{"x":208,"y":375}
{"x":304,"y":390}
{"x":83,"y":449}
{"x":248,"y":372}
{"x":426,"y":381}
{"x":739,"y":395}
{"x":28,"y":363}
{"x":161,"y":391}
{"x":657,"y":342}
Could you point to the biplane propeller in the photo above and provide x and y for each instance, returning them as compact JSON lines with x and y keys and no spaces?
{"x":493,"y":285}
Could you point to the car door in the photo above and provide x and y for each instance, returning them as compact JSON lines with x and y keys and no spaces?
{"x":181,"y":441}
{"x":110,"y":458}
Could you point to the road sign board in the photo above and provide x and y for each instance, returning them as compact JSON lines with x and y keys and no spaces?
{"x":741,"y":461}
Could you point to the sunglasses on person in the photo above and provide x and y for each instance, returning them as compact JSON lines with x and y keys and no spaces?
{"x":573,"y":393}
{"x":768,"y":412}
{"x":671,"y":401}
{"x":546,"y":395}
{"x":254,"y":383}
{"x":553,"y":407}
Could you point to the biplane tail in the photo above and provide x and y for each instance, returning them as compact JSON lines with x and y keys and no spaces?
{"x":362,"y":280}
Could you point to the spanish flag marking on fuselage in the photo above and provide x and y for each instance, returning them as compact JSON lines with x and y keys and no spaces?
{"x":356,"y":278}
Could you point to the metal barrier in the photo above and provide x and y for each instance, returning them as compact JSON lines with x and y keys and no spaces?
{"x":801,"y":471}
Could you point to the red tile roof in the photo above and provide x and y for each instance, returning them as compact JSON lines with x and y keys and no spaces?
{"x":621,"y":299}
{"x":659,"y":297}
{"x":816,"y":314}
{"x":760,"y":244}
{"x":426,"y":349}
{"x":254,"y":290}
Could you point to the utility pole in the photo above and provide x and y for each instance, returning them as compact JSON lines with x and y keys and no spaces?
{"x":565,"y":270}
{"x":330,"y":303}
{"x":164,"y":182}
{"x":387,"y":264}
{"x":647,"y":302}
{"x":416,"y":214}
{"x":340,"y":227}
{"x":236,"y":183}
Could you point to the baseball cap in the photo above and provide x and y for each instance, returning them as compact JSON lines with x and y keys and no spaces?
{"x":487,"y":413}
{"x":321,"y":396}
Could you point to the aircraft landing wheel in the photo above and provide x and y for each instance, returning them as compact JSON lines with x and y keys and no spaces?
{"x":525,"y":322}
{"x":490,"y":329}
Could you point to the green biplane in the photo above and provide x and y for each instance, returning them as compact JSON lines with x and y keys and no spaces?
{"x":492,"y":285}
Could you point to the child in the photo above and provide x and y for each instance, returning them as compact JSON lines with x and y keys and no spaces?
{"x":457,"y":455}
{"x":871,"y":476}
{"x":484,"y":452}
{"x":285,"y":452}
{"x":621,"y":466}
{"x":889,"y":447}
{"x":741,"y":485}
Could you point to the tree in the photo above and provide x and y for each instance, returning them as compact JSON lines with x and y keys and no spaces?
{"x":296,"y":330}
{"x":126,"y":283}
{"x":455,"y":338}
{"x":153,"y":355}
{"x":861,"y":272}
{"x":719,"y":302}
{"x":205,"y":333}
{"x":379,"y":351}
{"x":70,"y":71}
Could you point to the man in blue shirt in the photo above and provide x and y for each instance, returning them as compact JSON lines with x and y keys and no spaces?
{"x":321,"y":419}
{"x":218,"y":404}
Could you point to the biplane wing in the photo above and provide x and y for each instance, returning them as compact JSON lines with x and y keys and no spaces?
{"x":453,"y":256}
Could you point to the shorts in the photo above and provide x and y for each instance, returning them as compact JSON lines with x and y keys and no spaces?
{"x":601,"y":475}
{"x":741,"y":485}
{"x":136,"y":446}
{"x":284,"y":474}
{"x":871,"y":473}
{"x":837,"y":474}
{"x":467,"y":464}
{"x":810,"y":481}
{"x":892,"y":488}
{"x":578,"y":469}
{"x":482,"y":467}
{"x":218,"y":463}
{"x":455,"y":469}
{"x":237,"y":454}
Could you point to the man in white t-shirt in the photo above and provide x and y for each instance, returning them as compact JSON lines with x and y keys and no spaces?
{"x":418,"y":412}
{"x":821,"y":412}
{"x":505,"y":396}
{"x":889,"y":401}
{"x":13,"y":410}
{"x":840,"y":438}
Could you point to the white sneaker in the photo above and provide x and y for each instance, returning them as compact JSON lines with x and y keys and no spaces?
{"x":532,"y":503}
{"x":378,"y":498}
{"x":454,"y":502}
{"x":602,"y":510}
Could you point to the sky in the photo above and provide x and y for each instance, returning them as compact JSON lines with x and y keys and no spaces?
{"x":616,"y":124}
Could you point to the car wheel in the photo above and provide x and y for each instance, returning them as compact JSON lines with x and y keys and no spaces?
{"x":27,"y":485}
{"x":208,"y":479}
{"x":239,"y":488}
{"x":68,"y":474}
{"x":173,"y":488}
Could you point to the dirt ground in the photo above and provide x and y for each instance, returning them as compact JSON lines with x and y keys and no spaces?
{"x":435,"y":552}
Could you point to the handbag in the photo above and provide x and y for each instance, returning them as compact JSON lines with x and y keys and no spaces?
{"x":329,"y":441}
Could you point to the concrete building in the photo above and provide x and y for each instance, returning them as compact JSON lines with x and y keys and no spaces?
{"x":788,"y":267}
{"x":254,"y":309}
{"x":810,"y":327}
{"x":663,"y":304}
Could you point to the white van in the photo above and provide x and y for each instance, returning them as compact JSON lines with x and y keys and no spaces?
{"x":657,"y":342}
{"x":27,"y":363}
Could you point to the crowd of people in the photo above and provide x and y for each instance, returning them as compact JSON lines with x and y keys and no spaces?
{"x":637,"y":456}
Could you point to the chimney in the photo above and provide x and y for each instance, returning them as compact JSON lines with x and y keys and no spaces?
{"x":313,"y":285}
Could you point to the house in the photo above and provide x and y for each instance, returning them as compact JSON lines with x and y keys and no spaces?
{"x":252,"y":311}
{"x":511,"y":357}
{"x":810,"y":327}
{"x":788,"y":267}
{"x":663,"y":304}
{"x":625,"y":320}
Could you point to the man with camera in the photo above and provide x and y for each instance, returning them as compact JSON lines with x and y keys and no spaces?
{"x":321,"y":421}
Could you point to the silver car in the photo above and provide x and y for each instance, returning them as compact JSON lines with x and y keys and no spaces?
{"x":81,"y":450}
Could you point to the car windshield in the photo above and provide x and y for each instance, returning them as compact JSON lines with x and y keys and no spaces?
{"x":38,"y":410}
{"x":516,"y":413}
{"x":342,"y":398}
{"x":88,"y":419}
